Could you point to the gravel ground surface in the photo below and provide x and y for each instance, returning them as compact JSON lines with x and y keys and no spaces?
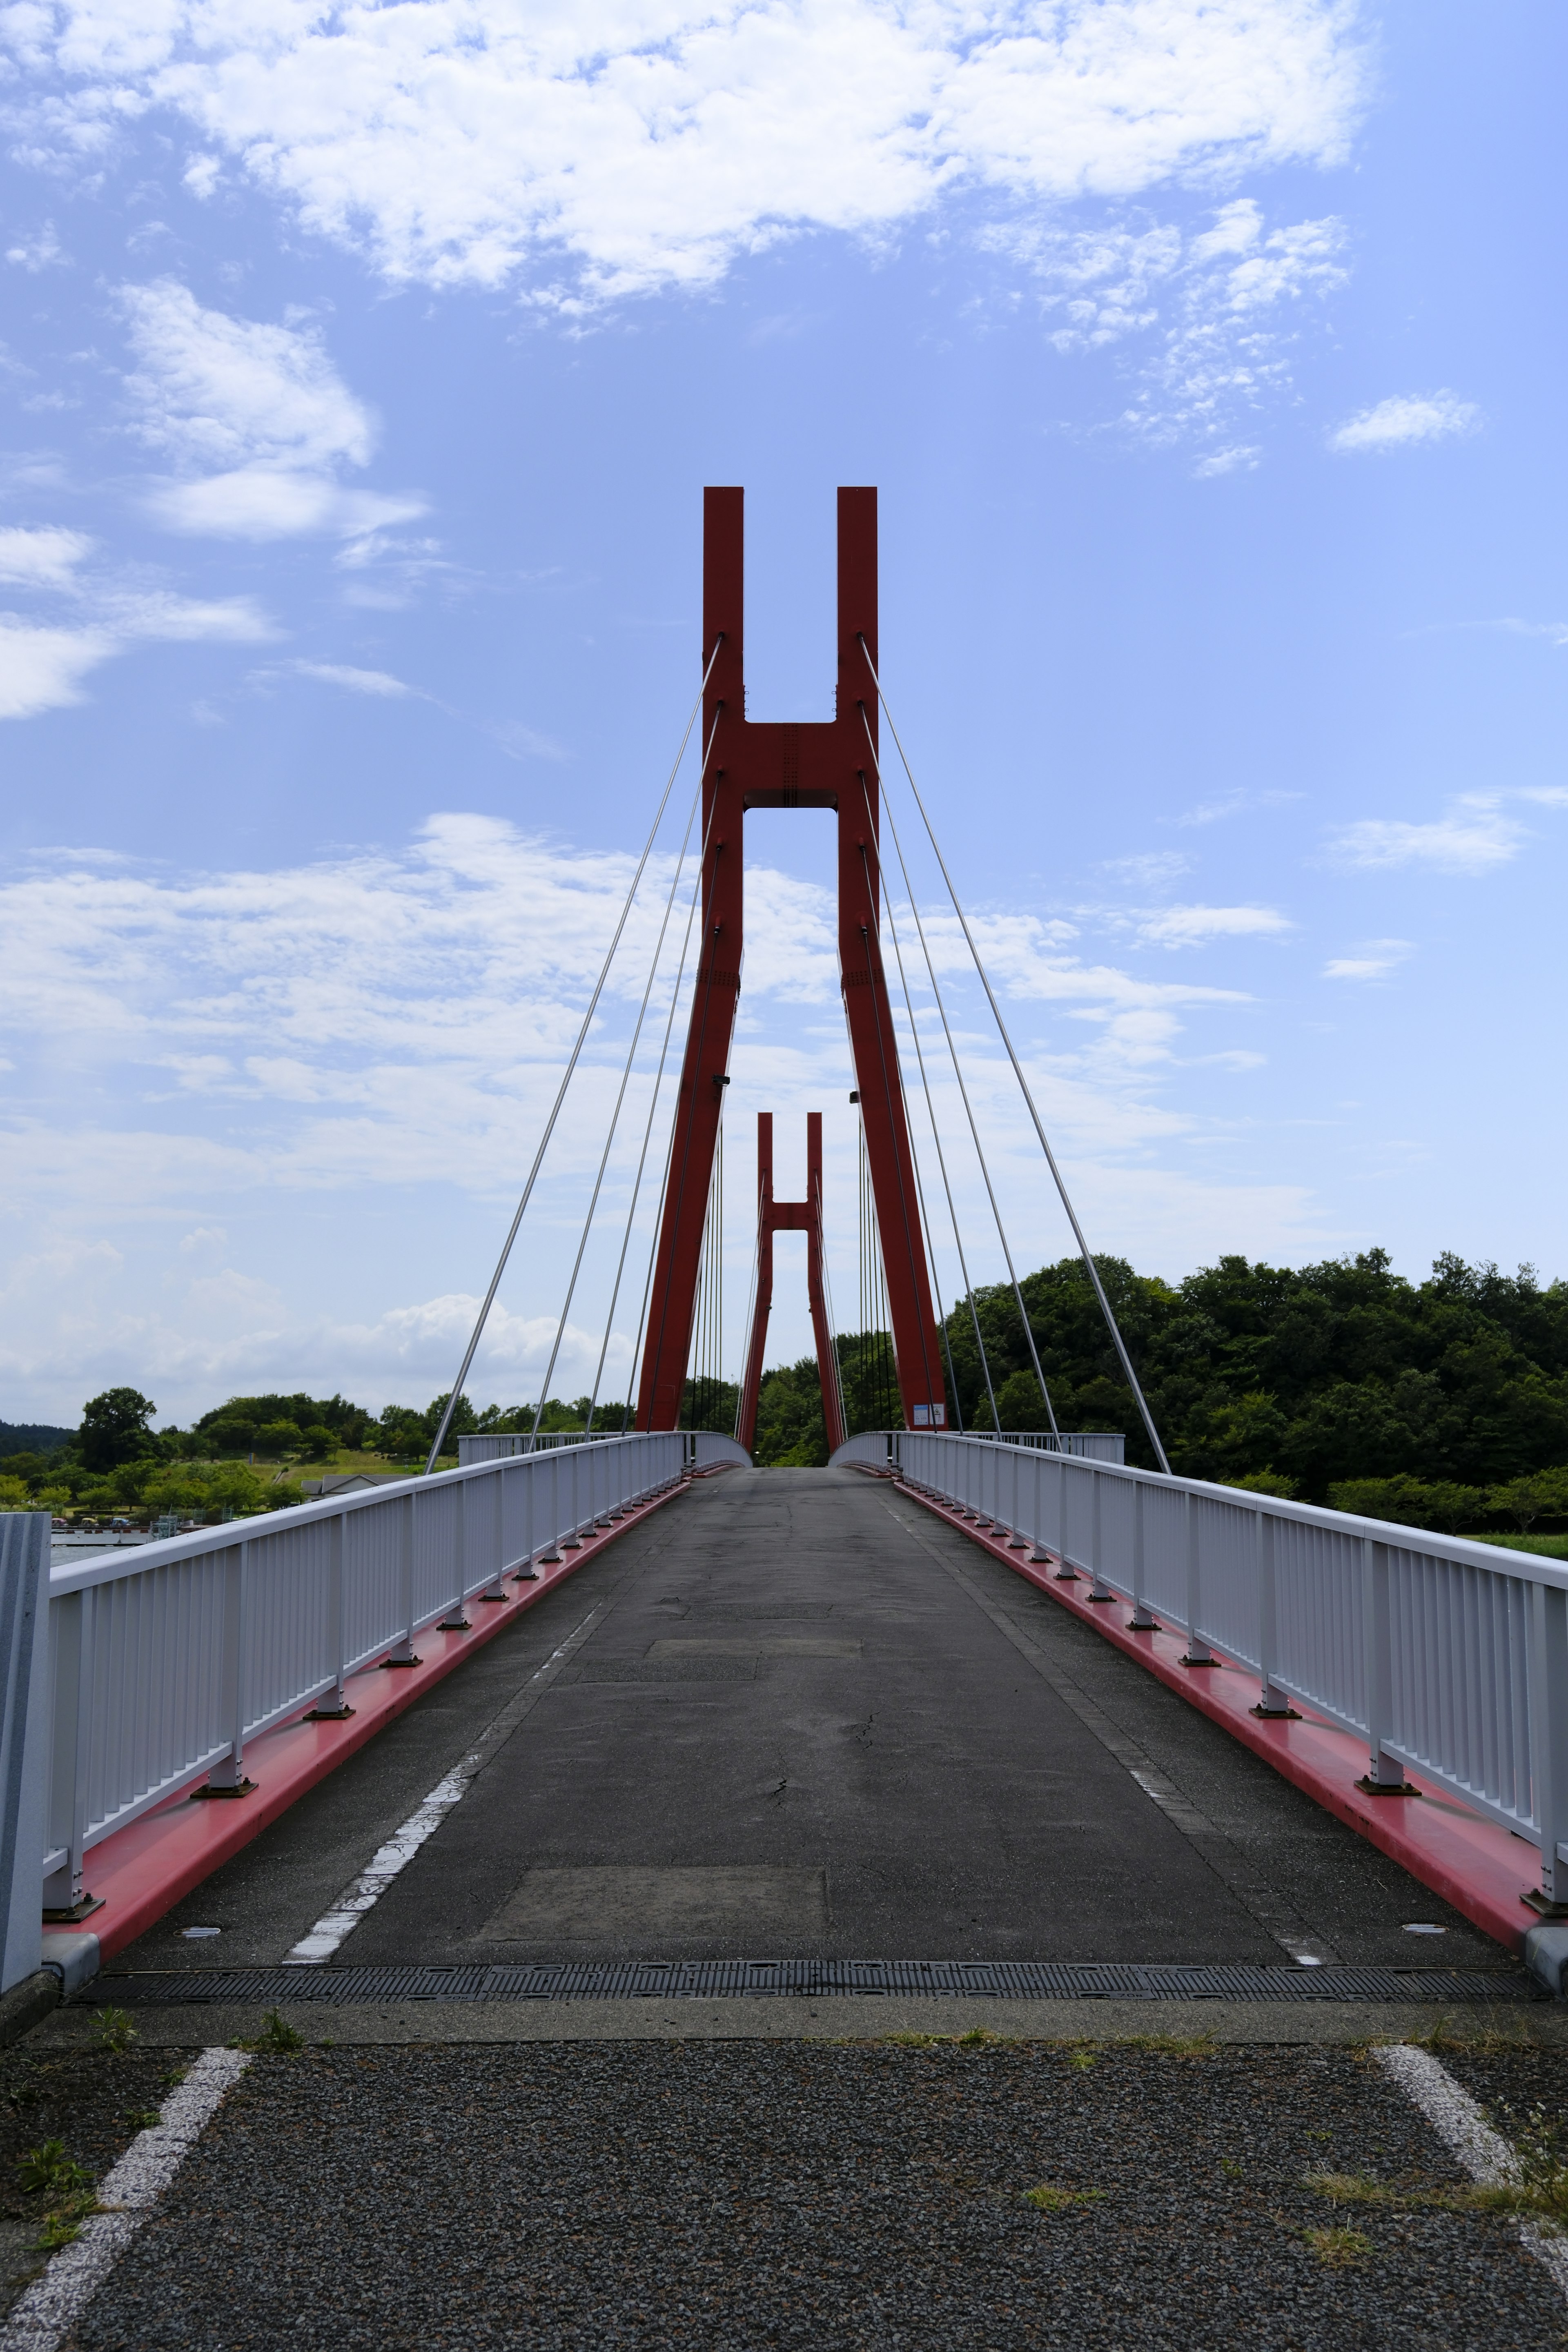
{"x":89,"y":2099}
{"x":726,"y":2194}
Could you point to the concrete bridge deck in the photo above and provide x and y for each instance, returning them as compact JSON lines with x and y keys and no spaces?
{"x":793,"y":1715}
{"x":807,"y":1719}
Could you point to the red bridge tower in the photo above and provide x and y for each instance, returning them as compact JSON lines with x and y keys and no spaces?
{"x":769,"y":764}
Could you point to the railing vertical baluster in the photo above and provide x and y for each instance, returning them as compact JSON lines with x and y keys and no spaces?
{"x":1271,"y":1699}
{"x":1548,"y":1743}
{"x":551,"y":1551}
{"x":402,"y":1653}
{"x":1385,"y":1773}
{"x":227,"y":1777}
{"x":332,"y":1707}
{"x":1037,"y":1552}
{"x":64,"y":1897}
{"x":456,"y":1621}
{"x":574,"y":1538}
{"x":1142,"y":1620}
{"x":1099,"y":1588}
{"x":1198,"y":1653}
{"x":1066,"y":1572}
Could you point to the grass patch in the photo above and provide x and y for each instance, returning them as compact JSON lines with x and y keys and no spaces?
{"x":1481,"y":2041}
{"x":979,"y":2037}
{"x":115,"y":2030}
{"x":276,"y":2038}
{"x":1049,"y":2198}
{"x":1338,"y":2249}
{"x":1544,"y":1546}
{"x":47,"y":2166}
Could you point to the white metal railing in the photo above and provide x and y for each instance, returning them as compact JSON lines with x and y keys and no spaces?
{"x":1091,"y":1444}
{"x":165,"y":1662}
{"x":1450,"y":1658}
{"x":699,"y":1444}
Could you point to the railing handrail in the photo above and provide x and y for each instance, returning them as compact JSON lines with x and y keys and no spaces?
{"x":1450,"y":1656}
{"x":102,"y":1566}
{"x":1534,"y":1565}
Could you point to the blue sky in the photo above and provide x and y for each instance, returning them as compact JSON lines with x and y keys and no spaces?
{"x":361,"y":373}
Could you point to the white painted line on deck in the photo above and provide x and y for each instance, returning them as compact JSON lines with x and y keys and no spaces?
{"x":50,"y":2308}
{"x":1466,"y":2133}
{"x":364,"y":1892}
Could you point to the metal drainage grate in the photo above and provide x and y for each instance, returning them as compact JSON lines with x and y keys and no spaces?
{"x":742,"y":1979}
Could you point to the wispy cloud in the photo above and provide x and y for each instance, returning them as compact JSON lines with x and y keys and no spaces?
{"x":1374,"y":959}
{"x":1213,"y":312}
{"x":1151,"y":869}
{"x":355,"y":681}
{"x":257,"y":419}
{"x":1405,"y":420}
{"x":41,"y":558}
{"x":595,"y":153}
{"x":1473,"y":838}
{"x":1233,"y":804}
{"x":1192,"y":926}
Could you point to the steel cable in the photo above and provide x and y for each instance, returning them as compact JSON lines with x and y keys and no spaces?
{"x":566,"y":1080}
{"x":973,"y":1130}
{"x":1084,"y":1251}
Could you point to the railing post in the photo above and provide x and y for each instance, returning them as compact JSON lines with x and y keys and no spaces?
{"x":227,"y":1777}
{"x":1385,"y":1773}
{"x":1549,"y":1744}
{"x":65,"y":1899}
{"x":1037,"y":1552}
{"x":1271,"y":1700}
{"x":456,"y":1621}
{"x":1015,"y":1541}
{"x":551,"y":1551}
{"x":572,"y":1541}
{"x":332,"y":1707}
{"x":1140,"y":1621}
{"x":495,"y":1590}
{"x":402,"y":1654}
{"x":1066,"y":1572}
{"x":1197,"y":1651}
{"x":1099,"y":1588}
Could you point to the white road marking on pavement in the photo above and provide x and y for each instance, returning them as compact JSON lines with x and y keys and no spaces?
{"x":1466,"y":2133}
{"x":52,"y":2306}
{"x":364,"y":1892}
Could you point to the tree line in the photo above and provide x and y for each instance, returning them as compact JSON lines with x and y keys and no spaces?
{"x":1441,"y":1404}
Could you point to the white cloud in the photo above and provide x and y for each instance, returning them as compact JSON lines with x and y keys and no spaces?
{"x":1240,"y":458}
{"x":1408,"y":418}
{"x":1471,"y":839}
{"x":1191,"y":926}
{"x":257,"y":418}
{"x":43,"y":668}
{"x":1375,"y":960}
{"x":1233,"y":804}
{"x":354,"y":681}
{"x":1151,"y":869}
{"x":1219,"y":309}
{"x":41,"y":558}
{"x":37,"y":252}
{"x":624,"y":148}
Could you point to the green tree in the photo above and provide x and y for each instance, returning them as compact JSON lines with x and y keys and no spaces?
{"x":277,"y":1438}
{"x":114,"y":1428}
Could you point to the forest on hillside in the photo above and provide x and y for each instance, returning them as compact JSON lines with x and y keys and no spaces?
{"x":1442,"y":1403}
{"x":1299,"y":1380}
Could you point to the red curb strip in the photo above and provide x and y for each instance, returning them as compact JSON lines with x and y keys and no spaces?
{"x":1470,"y":1863}
{"x":143,"y":1870}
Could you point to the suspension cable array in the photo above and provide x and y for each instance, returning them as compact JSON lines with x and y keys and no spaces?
{"x":892,"y":1204}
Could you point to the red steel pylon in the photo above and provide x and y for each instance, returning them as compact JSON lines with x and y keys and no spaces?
{"x":786,"y":1217}
{"x":772,"y":764}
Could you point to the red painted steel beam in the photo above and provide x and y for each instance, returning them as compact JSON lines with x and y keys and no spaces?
{"x":767,"y":764}
{"x":800,"y":1217}
{"x":752,"y":1380}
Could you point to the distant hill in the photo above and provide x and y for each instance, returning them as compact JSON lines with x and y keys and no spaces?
{"x":31,"y":1437}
